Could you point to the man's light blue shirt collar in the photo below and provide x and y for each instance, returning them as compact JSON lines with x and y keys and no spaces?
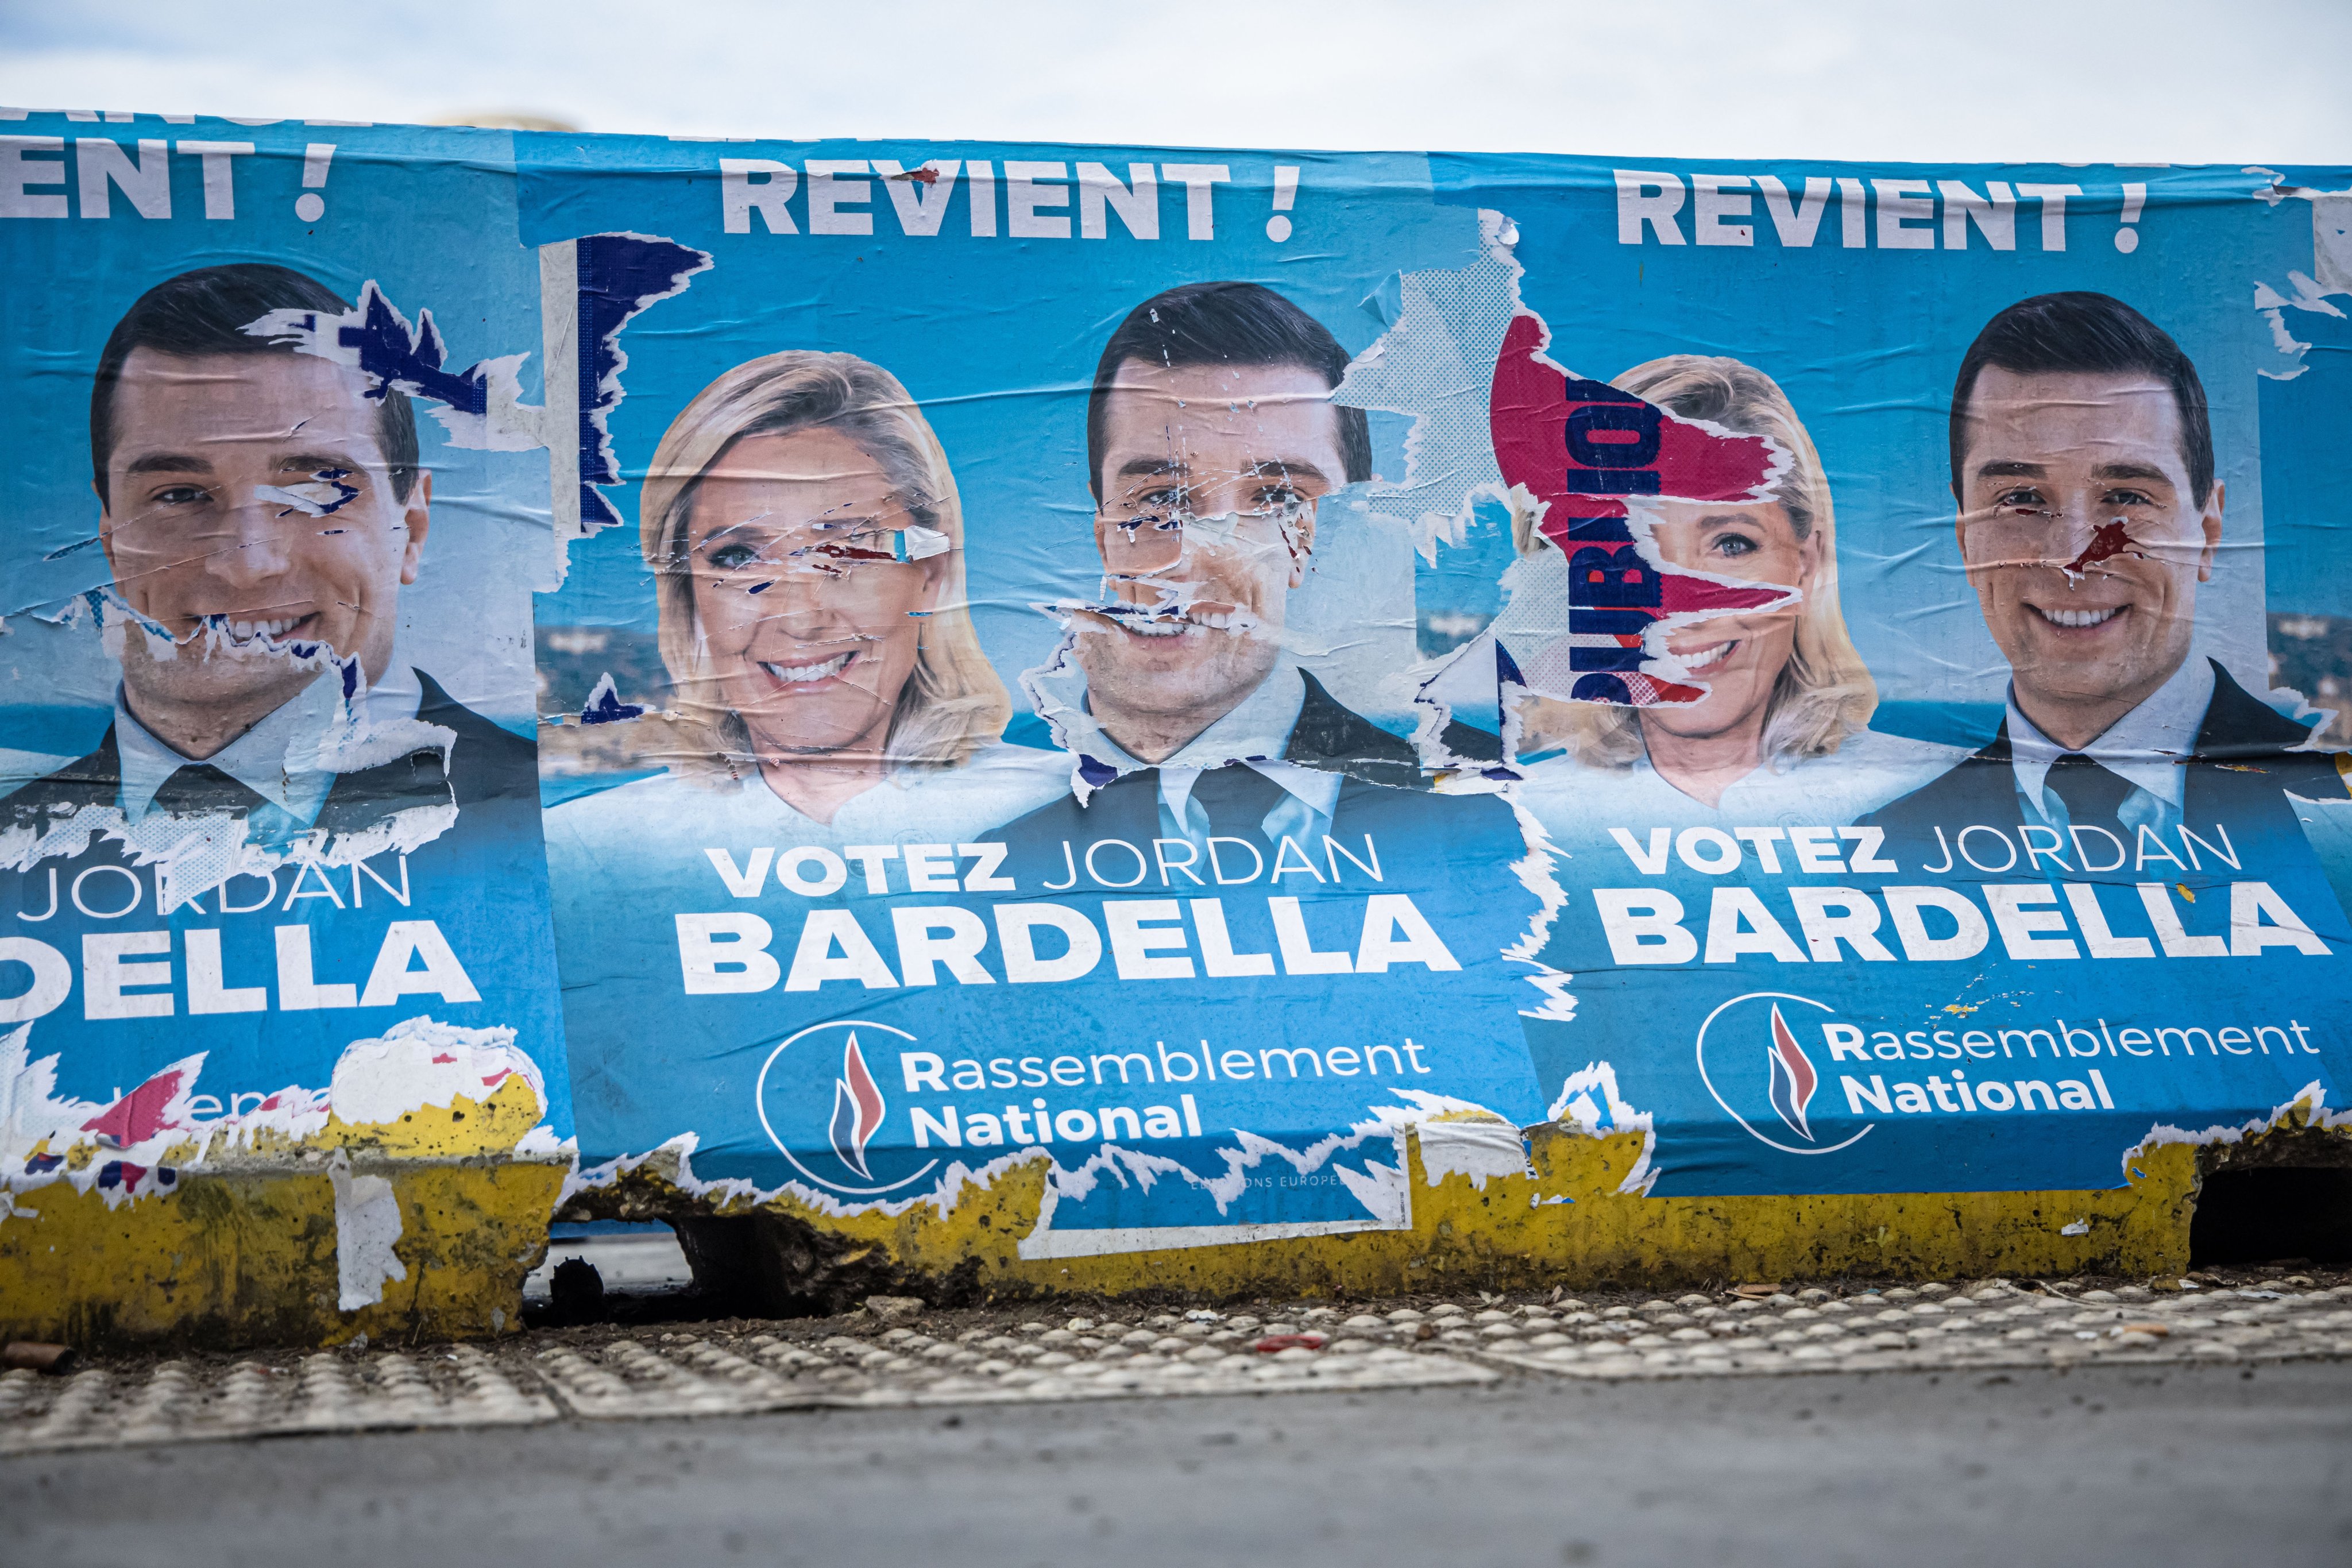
{"x":277,"y":759}
{"x":2144,"y":747}
{"x":1258,"y":727}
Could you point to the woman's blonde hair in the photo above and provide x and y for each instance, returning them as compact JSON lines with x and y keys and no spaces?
{"x":953,"y":703}
{"x":1826,"y":693}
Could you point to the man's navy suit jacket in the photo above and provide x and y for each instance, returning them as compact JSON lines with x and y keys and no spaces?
{"x":487,"y":763}
{"x":2243,"y":768}
{"x":1378,"y":795}
{"x":482,"y":881}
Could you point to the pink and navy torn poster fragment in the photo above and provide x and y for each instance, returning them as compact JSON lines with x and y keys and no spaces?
{"x":144,"y":1111}
{"x":1580,"y":449}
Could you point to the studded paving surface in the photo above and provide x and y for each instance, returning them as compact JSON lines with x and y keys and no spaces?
{"x":736,"y":1369}
{"x":1932,"y":1328}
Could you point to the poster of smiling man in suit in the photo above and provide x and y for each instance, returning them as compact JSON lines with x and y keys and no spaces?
{"x":279,"y":800}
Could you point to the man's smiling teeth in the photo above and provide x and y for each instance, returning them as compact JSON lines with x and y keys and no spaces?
{"x":1223,"y":620}
{"x":246,"y":631}
{"x":2078,"y":617}
{"x":794,"y":674}
{"x":1176,"y":623}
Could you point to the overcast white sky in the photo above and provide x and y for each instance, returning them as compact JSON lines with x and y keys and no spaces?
{"x":2250,"y":80}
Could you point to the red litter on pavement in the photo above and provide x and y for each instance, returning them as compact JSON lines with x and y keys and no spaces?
{"x":1273,"y":1342}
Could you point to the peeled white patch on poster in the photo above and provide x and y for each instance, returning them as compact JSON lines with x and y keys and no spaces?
{"x":367,"y":1224}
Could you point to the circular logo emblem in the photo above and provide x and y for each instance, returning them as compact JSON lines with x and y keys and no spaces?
{"x":1762,"y":1075}
{"x":824,"y":1109}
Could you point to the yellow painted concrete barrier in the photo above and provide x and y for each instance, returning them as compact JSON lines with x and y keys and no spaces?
{"x":247,"y":1253}
{"x":437,"y":1218}
{"x":289,"y":1224}
{"x":1567,"y":1218}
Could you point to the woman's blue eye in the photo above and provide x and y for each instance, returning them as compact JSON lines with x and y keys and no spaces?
{"x":1736,"y":544}
{"x":733,"y":557}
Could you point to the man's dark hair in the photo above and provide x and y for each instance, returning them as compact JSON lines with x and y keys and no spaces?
{"x":1224,"y":324}
{"x":206,"y":312}
{"x":2079,"y":333}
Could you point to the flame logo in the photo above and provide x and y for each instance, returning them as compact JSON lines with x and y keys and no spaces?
{"x":1793,"y":1078}
{"x":857,"y":1110}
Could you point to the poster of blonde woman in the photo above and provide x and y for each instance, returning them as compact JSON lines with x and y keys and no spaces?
{"x":1780,"y":731}
{"x":805,"y":542}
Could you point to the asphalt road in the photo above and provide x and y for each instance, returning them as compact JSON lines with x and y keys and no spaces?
{"x":2107,"y":1465}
